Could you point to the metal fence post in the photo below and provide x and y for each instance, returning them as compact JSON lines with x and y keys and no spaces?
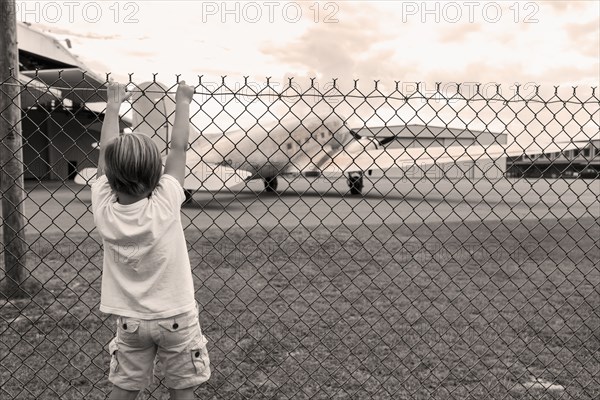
{"x":11,"y":155}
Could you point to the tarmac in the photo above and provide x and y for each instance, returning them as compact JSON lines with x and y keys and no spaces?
{"x":53,"y":208}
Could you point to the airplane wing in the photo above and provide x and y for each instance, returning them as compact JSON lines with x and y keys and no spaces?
{"x":86,"y":176}
{"x":406,"y":158}
{"x":199,"y":176}
{"x":213,"y":178}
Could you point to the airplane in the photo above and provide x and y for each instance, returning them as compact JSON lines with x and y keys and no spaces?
{"x":316,"y":146}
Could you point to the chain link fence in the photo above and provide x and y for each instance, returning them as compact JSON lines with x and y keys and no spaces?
{"x":416,"y":279}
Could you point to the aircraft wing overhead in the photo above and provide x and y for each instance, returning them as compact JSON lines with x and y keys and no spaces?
{"x":405,"y":159}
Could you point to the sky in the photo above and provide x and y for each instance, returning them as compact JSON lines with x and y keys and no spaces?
{"x":553,"y":42}
{"x":396,"y":43}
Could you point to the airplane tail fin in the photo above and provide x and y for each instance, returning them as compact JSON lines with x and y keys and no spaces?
{"x":152,"y":110}
{"x":154,"y":114}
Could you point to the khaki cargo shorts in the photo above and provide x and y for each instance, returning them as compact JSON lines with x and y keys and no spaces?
{"x":175,"y":345}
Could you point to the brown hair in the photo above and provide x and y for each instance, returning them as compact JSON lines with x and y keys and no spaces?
{"x":132,"y":164}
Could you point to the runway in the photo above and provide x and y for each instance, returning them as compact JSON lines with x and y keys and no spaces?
{"x":53,"y":208}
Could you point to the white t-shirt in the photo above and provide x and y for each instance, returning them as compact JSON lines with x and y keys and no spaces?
{"x":146,"y":272}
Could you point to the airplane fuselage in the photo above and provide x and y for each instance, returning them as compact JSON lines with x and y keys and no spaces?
{"x":284,"y":148}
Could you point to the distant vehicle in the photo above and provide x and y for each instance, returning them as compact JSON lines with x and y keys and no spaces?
{"x":589,"y":173}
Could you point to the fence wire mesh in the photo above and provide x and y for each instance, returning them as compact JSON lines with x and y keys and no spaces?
{"x":476,"y":278}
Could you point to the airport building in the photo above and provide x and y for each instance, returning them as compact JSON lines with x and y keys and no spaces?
{"x":583,"y":162}
{"x":414,"y":135}
{"x":58,"y":127}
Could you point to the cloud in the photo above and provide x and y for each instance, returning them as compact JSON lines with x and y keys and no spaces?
{"x":458,"y":33}
{"x":330,"y":50}
{"x":564,"y":5}
{"x":509,"y":74}
{"x":142,"y":53}
{"x":583,"y":31}
{"x":586,"y":37}
{"x":356,"y":47}
{"x":585,"y":76}
{"x":55,"y":30}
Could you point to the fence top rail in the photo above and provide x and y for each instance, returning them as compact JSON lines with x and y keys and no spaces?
{"x":477,"y":97}
{"x":491,"y":91}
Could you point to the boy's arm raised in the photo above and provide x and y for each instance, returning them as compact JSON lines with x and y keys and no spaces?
{"x":110,"y":127}
{"x":175,"y":164}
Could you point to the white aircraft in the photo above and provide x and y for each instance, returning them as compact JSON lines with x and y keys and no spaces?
{"x":311,"y":147}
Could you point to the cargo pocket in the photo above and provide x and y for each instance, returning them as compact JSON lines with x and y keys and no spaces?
{"x":176,"y":331}
{"x":113,"y":349}
{"x":127,"y":331}
{"x":200,"y":358}
{"x":179,"y":322}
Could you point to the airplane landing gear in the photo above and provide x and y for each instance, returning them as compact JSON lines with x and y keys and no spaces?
{"x":355,"y":182}
{"x":271,"y":184}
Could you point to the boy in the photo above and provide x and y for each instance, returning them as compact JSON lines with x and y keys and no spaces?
{"x":146,"y":275}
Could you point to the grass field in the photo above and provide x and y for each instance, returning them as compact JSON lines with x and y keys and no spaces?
{"x":477,"y":310}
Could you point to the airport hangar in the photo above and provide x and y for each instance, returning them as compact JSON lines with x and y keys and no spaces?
{"x":582,"y":163}
{"x":416,"y":135}
{"x":59,"y":129}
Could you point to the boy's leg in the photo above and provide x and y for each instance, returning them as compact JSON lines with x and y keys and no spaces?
{"x":183,"y":355}
{"x":182,"y":394}
{"x":122,"y":394}
{"x":132,"y":358}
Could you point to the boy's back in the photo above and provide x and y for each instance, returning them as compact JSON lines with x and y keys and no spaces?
{"x":146,"y":271}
